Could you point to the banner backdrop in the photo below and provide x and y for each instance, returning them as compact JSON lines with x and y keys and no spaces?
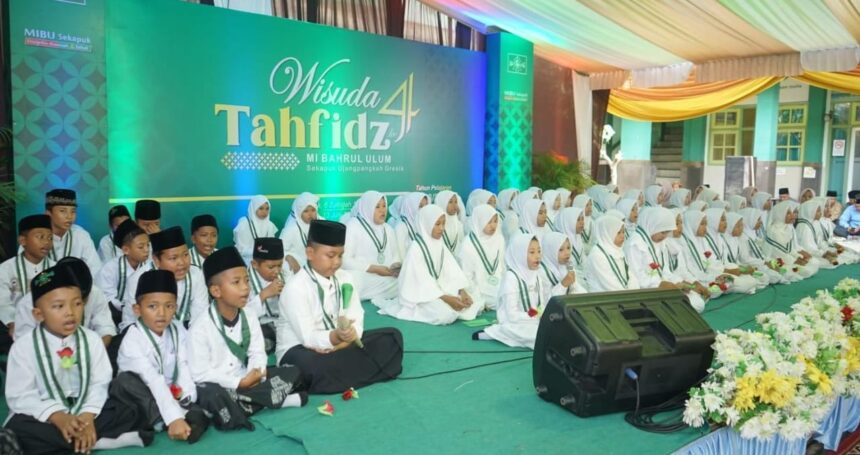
{"x":208,"y":107}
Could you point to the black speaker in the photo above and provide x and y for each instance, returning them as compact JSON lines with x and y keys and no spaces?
{"x":589,"y":347}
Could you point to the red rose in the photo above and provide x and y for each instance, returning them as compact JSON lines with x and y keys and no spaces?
{"x":724,"y":287}
{"x":349,"y":394}
{"x":847,"y":313}
{"x":654,"y":266}
{"x":326,"y":408}
{"x":780,"y":262}
{"x":176,"y":391}
{"x":65,"y":352}
{"x":533,"y":312}
{"x":708,"y":254}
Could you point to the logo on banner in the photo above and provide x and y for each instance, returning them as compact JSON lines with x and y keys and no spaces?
{"x":518,"y":63}
{"x":49,"y":38}
{"x":324,"y":109}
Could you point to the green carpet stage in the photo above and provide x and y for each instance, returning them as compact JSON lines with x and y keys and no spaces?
{"x":491,"y":409}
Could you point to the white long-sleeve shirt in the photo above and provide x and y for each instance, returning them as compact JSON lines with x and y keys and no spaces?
{"x":108,"y":279}
{"x":209,"y":357}
{"x":76,"y":242}
{"x":138,"y":355}
{"x":107,"y":250}
{"x":197,"y":296}
{"x":14,"y":283}
{"x":306,"y":321}
{"x":28,"y":394}
{"x":97,"y":315}
{"x":268,"y":310}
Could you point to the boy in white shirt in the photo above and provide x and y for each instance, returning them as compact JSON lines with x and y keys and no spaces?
{"x":154,"y":353}
{"x":114,"y":276}
{"x":321,"y":323}
{"x":69,"y":239}
{"x":147,"y":215}
{"x":204,"y":237}
{"x":226,"y":353}
{"x":58,"y":400}
{"x":267,"y":281}
{"x":107,"y":249}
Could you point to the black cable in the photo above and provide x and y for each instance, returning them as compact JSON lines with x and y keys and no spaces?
{"x":644,"y":419}
{"x":472,"y":367}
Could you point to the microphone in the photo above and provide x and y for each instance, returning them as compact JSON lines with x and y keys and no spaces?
{"x":342,"y":321}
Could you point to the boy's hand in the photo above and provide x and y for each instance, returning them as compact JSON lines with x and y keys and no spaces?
{"x":86,"y":437}
{"x":178,"y":430}
{"x":66,"y":423}
{"x":569,"y":279}
{"x":347,"y":334}
{"x":251,"y":379}
{"x":274,"y":288}
{"x":294,"y":264}
{"x":466,"y":299}
{"x":395,"y":269}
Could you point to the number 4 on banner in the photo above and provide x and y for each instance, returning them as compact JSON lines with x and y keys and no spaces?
{"x":405,"y":112}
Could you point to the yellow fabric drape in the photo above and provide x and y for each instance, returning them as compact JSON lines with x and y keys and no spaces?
{"x":684,"y":101}
{"x":848,"y":81}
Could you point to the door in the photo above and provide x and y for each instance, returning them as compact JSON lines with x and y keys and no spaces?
{"x":852,"y":174}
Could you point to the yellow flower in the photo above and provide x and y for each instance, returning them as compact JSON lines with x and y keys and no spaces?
{"x":775,"y":389}
{"x":852,"y":355}
{"x":745,"y":393}
{"x":816,"y":376}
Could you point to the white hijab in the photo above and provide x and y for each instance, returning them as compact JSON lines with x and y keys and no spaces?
{"x":506,"y":198}
{"x":760,"y":199}
{"x":410,"y":207}
{"x":550,"y":246}
{"x":697,"y":206}
{"x":736,"y":203}
{"x":302,"y":202}
{"x":656,"y":219}
{"x":707,"y":195}
{"x":751,"y":218}
{"x":692,"y":220}
{"x":651,"y":194}
{"x":394,"y":209}
{"x":713,"y":236}
{"x":777,"y":231}
{"x":605,"y":230}
{"x":517,"y":258}
{"x":598,"y":194}
{"x":366,"y":206}
{"x":633,"y":194}
{"x":566,"y":224}
{"x":427,"y":218}
{"x":528,"y":218}
{"x":679,"y":199}
{"x":717,"y":204}
{"x":565,"y":197}
{"x":549,"y":198}
{"x":625,"y":206}
{"x":521,"y":199}
{"x":258,"y":226}
{"x":476,"y":198}
{"x":492,"y":244}
{"x":452,"y":222}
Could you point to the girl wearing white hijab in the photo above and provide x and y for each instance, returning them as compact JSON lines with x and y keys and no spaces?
{"x":482,"y":256}
{"x":295,"y":233}
{"x":536,"y":190}
{"x":701,"y":262}
{"x":370,"y":251}
{"x":407,"y":229}
{"x":748,"y":194}
{"x":717,"y":204}
{"x":736,"y":203}
{"x":432,"y":286}
{"x":636,"y":195}
{"x":806,"y":195}
{"x":780,"y":241}
{"x":566,"y":198}
{"x":762,"y":201}
{"x":533,"y":218}
{"x":810,"y":237}
{"x":556,"y":270}
{"x":571,"y":222}
{"x":731,"y":238}
{"x":675,"y":269}
{"x":606,"y":268}
{"x":750,"y":251}
{"x":654,"y":196}
{"x":697,"y":206}
{"x":598,"y":193}
{"x":449,"y":202}
{"x":680,"y":199}
{"x":522,"y":295}
{"x":826,"y":222}
{"x":510,"y":219}
{"x":707,"y":195}
{"x":742,"y":283}
{"x":478,"y":197}
{"x":394,"y":211}
{"x":584,"y":202}
{"x":254,"y":225}
{"x":630,"y":209}
{"x":644,"y":249}
{"x":552,"y":200}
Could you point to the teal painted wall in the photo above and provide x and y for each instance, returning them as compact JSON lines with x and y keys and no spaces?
{"x":636,"y":140}
{"x":695,"y":135}
{"x":767,"y":108}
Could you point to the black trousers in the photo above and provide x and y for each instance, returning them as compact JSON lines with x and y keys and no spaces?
{"x":269,"y":336}
{"x":38,"y":437}
{"x":131,"y":391}
{"x":380,"y":360}
{"x":229,"y":409}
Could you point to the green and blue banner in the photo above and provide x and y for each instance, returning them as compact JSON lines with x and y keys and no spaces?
{"x":202,"y":108}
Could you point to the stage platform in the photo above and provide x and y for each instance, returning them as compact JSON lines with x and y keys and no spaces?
{"x":488,"y":409}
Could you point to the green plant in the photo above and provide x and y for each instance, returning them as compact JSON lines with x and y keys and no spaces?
{"x":550,"y":170}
